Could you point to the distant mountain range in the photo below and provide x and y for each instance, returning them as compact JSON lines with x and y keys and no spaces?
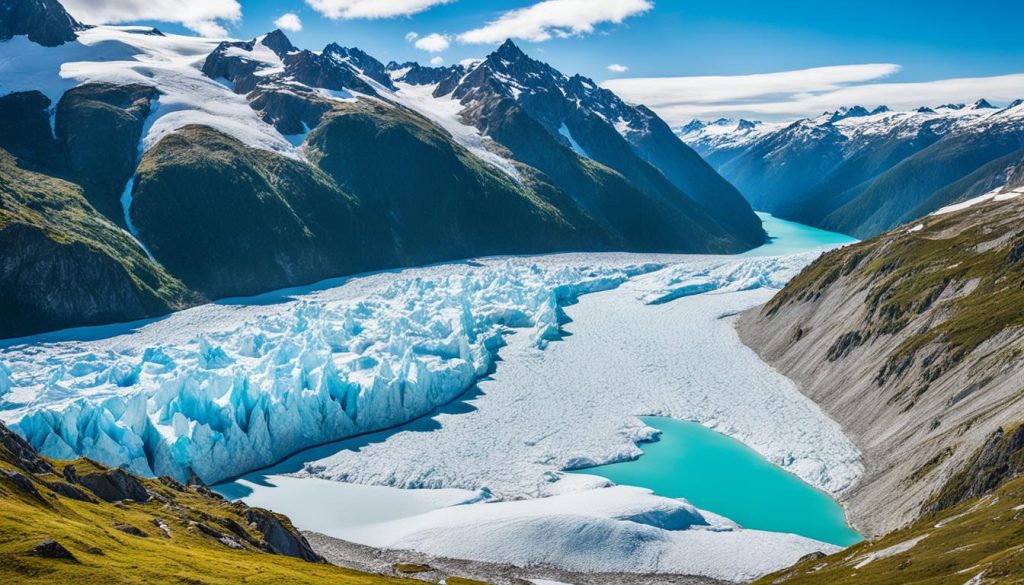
{"x":143,"y":172}
{"x":861,"y":171}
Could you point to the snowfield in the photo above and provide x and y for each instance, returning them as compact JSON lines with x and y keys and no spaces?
{"x":126,"y":55}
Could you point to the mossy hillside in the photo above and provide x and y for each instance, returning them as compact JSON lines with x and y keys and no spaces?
{"x":231,"y":220}
{"x":187,"y":555}
{"x":48,"y":228}
{"x":98,"y":128}
{"x":963,"y":269}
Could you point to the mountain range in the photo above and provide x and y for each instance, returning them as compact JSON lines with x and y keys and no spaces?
{"x":142,"y":173}
{"x":860,"y":171}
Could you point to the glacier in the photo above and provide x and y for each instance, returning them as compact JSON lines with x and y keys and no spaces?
{"x":312,"y":371}
{"x":229,"y":387}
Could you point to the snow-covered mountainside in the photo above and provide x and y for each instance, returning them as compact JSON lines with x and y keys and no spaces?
{"x":235,"y":167}
{"x":529,"y":107}
{"x":862,"y":172}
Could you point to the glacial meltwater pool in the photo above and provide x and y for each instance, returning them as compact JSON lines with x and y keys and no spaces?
{"x":789,"y":237}
{"x":722,"y":475}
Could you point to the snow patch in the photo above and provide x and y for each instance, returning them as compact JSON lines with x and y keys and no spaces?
{"x":445,"y":112}
{"x":564,"y":131}
{"x":889,"y":551}
{"x":994,"y":195}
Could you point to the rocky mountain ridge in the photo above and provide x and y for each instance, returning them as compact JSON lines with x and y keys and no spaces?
{"x":861,"y":171}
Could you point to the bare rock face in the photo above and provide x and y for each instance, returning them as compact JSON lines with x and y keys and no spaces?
{"x":282,"y":540}
{"x":20,"y":454}
{"x":115,"y":485}
{"x":51,"y":549}
{"x":43,"y":21}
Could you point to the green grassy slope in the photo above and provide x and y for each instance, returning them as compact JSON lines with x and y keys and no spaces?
{"x":181,"y":535}
{"x":62,"y":263}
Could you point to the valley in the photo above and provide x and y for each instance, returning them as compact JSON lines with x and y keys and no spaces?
{"x":293,"y":307}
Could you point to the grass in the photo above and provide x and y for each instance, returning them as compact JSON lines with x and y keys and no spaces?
{"x":186,"y":556}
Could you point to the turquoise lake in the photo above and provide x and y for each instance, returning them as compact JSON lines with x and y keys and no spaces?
{"x":722,"y":475}
{"x":789,"y":237}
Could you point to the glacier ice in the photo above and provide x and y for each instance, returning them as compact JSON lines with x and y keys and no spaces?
{"x":232,"y":400}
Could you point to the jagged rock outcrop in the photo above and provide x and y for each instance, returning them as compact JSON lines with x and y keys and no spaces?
{"x":43,"y":21}
{"x":116,"y":485}
{"x":282,"y":539}
{"x":51,"y":549}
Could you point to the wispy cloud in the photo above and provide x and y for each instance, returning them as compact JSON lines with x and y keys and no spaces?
{"x":555,"y":18}
{"x":616,"y":68}
{"x":433,"y":43}
{"x":805,"y":92}
{"x":437,"y":61}
{"x":205,"y":17}
{"x":289,"y":22}
{"x":370,"y":9}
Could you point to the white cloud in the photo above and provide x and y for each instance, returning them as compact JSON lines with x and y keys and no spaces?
{"x":471,"y":62}
{"x":555,"y":18}
{"x":352,"y":9}
{"x":433,"y":43}
{"x":616,"y":68}
{"x":412,"y":36}
{"x":289,"y":22}
{"x":808,"y":92}
{"x":437,"y":61}
{"x":206,"y":17}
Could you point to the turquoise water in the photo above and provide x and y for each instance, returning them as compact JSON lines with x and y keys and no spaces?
{"x":788,"y":237}
{"x":722,"y":475}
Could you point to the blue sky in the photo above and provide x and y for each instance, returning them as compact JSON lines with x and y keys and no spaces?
{"x":927,"y":40}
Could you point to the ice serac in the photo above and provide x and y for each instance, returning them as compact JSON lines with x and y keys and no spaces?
{"x":230,"y":401}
